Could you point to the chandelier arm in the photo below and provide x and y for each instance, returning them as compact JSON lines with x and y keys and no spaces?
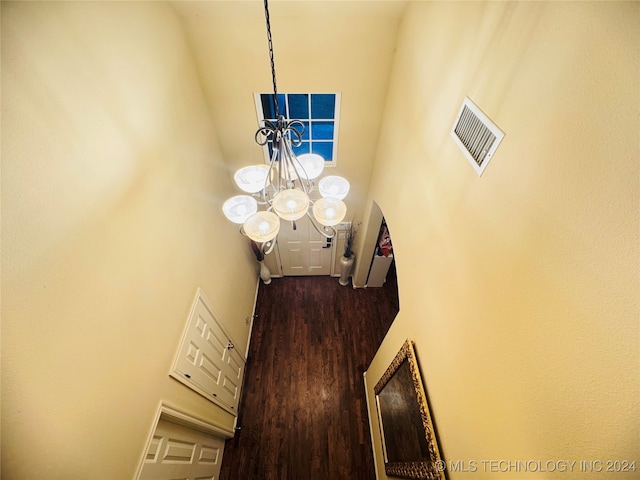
{"x":261,"y":198}
{"x":268,"y":180}
{"x":267,"y":247}
{"x":291,"y":128}
{"x":321,"y":231}
{"x":287,"y":164}
{"x":296,"y":166}
{"x":278,"y":157}
{"x":269,"y":124}
{"x":267,"y":130}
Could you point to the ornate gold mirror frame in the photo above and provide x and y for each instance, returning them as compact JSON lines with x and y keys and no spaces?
{"x":408,"y":440}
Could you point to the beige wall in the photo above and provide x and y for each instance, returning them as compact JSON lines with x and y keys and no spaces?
{"x":519,"y":288}
{"x":112,"y":183}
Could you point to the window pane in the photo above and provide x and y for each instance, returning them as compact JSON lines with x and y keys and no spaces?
{"x":299,"y":106}
{"x":305,"y":147}
{"x":323,"y":105}
{"x":324,"y":149}
{"x":267,"y":106}
{"x":322,"y":131}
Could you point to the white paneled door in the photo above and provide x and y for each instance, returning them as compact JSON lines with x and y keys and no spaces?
{"x":303,"y":251}
{"x":179,"y":452}
{"x":208,"y":361}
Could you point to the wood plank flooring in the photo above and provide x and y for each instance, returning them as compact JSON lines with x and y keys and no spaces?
{"x":303,"y":414}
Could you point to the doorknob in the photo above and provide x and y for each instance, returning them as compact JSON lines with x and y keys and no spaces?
{"x":328,"y":245}
{"x":230,"y":345}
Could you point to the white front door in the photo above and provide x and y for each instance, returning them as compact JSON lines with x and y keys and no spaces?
{"x":178,"y":452}
{"x":304,"y":251}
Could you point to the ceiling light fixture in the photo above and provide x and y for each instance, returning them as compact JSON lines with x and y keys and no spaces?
{"x":283,"y":186}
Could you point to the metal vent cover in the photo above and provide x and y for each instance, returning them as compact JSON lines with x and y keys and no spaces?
{"x":476,"y":135}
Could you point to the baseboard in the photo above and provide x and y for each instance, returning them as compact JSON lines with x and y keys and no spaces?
{"x":253,"y":318}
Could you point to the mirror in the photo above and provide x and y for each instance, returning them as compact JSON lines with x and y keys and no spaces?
{"x":408,"y":441}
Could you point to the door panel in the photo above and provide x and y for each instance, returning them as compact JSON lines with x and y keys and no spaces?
{"x":179,"y":452}
{"x":303,"y":251}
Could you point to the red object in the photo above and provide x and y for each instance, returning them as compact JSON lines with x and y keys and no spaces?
{"x":384,"y":241}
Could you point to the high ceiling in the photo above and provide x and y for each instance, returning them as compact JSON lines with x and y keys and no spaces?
{"x":319,"y":46}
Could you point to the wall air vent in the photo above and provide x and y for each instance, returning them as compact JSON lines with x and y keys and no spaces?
{"x":476,"y":135}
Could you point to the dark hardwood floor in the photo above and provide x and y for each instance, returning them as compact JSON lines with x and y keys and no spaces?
{"x":303,"y":414}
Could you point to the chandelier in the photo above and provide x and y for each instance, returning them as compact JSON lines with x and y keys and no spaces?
{"x":283,"y":186}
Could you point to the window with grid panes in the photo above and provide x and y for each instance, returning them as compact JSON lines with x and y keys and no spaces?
{"x":318,"y":112}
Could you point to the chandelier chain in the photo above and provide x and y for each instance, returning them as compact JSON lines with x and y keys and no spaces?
{"x":273,"y":64}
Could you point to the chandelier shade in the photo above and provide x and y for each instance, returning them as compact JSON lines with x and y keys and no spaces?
{"x":312,"y":165}
{"x":329,"y":211}
{"x":239,"y":208}
{"x":253,"y":178}
{"x":334,"y":186}
{"x":283,"y":186}
{"x":262,"y":227}
{"x":291,"y":204}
